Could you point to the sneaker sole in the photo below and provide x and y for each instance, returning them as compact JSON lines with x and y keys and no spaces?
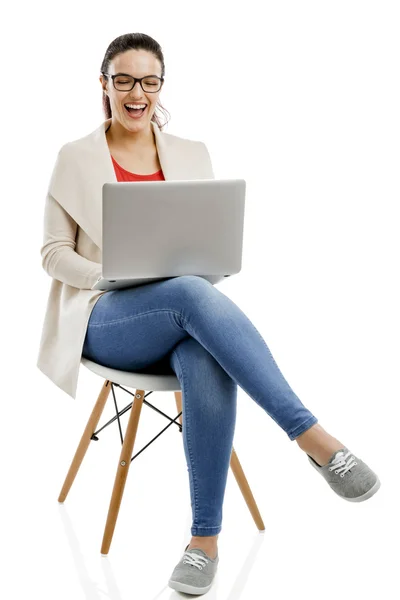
{"x":189,"y":589}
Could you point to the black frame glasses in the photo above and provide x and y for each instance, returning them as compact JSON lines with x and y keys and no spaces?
{"x":135,"y":79}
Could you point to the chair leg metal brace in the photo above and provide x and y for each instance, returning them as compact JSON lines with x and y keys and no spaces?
{"x":126,"y":458}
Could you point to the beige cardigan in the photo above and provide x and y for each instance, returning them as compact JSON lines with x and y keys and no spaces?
{"x":71,"y":251}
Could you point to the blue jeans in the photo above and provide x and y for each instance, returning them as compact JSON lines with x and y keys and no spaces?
{"x":185,"y":325}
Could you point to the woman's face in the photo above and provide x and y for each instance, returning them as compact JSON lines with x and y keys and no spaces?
{"x":137,"y":63}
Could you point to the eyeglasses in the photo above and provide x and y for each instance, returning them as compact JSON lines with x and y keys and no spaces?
{"x":125,"y":83}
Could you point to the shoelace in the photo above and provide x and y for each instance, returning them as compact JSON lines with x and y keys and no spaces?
{"x":340,"y":461}
{"x":195,"y":559}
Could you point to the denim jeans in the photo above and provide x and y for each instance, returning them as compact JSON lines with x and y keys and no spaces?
{"x":187,"y":327}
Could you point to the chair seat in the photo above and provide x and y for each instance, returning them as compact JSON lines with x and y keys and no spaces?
{"x":140,"y":381}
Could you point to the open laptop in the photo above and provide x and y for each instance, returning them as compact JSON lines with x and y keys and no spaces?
{"x":154,"y":230}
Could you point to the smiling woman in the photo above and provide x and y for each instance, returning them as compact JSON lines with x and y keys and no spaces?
{"x":132,"y":75}
{"x":184,"y":323}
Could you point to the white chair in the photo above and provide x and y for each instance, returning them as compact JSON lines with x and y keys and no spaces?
{"x":139,"y":382}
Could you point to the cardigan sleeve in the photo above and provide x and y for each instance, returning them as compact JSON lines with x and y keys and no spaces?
{"x":59,"y":258}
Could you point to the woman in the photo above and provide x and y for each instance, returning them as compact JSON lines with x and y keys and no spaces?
{"x":185,"y":325}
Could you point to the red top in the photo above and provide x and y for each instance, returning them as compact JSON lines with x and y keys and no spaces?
{"x":124,"y":175}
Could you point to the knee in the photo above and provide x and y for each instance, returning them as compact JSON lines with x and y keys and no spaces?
{"x":192,"y":287}
{"x":192,"y":281}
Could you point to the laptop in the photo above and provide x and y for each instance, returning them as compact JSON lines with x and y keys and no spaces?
{"x":155,"y":230}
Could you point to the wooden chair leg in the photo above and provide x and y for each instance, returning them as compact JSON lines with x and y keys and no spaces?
{"x":178,"y":400}
{"x":122,"y":471}
{"x":246,"y":491}
{"x":85,"y":440}
{"x":239,"y":476}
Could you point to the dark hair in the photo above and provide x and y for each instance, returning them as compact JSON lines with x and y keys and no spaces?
{"x":132,"y":41}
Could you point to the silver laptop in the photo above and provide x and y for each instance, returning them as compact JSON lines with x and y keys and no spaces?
{"x":155,"y":230}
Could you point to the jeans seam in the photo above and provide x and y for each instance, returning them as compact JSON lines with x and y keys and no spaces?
{"x":187,"y":429}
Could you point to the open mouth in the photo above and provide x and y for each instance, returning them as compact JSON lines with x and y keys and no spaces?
{"x":135,"y":113}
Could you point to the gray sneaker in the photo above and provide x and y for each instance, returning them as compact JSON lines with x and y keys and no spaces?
{"x":348,"y":476}
{"x":194,"y":573}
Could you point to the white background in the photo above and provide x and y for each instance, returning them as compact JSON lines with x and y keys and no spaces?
{"x":301,"y":99}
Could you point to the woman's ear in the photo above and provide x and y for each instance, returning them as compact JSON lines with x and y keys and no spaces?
{"x":103,"y":82}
